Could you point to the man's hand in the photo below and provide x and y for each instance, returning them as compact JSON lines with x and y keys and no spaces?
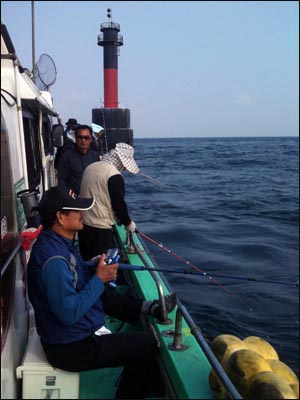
{"x":106,"y":272}
{"x":131,"y":227}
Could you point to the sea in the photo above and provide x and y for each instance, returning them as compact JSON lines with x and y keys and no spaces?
{"x":228,"y":206}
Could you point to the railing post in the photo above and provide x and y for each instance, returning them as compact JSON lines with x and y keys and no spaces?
{"x":129,"y":242}
{"x":177,"y":340}
{"x":164,"y":320}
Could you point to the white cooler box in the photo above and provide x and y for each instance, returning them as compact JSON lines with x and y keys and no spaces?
{"x":40,"y":379}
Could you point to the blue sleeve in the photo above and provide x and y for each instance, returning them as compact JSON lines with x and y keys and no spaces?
{"x":67,"y":304}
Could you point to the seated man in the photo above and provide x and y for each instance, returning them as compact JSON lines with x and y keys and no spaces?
{"x":69,"y":302}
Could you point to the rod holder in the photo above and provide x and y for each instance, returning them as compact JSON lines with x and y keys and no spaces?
{"x":177,"y":340}
{"x":29,"y":200}
{"x":129,"y":242}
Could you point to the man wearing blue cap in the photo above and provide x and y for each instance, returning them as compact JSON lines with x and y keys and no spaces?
{"x":69,"y":302}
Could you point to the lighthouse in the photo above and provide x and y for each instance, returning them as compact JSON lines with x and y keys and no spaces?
{"x":115,"y":120}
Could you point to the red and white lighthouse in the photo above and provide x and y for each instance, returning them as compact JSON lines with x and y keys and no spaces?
{"x":115,"y":120}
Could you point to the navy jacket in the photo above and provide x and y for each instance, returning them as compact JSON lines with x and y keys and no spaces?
{"x":71,"y":167}
{"x":64,"y":293}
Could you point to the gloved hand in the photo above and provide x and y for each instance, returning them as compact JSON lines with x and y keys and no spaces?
{"x":131,"y":227}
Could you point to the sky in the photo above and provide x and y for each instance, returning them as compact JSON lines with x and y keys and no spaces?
{"x":186,"y":69}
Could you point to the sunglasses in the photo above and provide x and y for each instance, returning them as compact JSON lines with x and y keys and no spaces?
{"x":81,"y":137}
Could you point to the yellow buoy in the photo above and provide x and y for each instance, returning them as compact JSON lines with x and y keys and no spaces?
{"x":267,"y":385}
{"x":242,"y":365}
{"x":262,"y":347}
{"x":216,"y":385}
{"x":283,"y":371}
{"x":224,"y":345}
{"x":295,"y":387}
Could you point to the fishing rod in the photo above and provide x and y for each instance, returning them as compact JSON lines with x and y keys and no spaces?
{"x":130,"y":267}
{"x":189,"y":272}
{"x":161,"y":246}
{"x":198,"y":270}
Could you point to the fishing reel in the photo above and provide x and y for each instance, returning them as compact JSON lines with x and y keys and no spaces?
{"x":112,"y":257}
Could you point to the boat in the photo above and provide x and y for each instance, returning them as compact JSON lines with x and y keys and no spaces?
{"x":31,"y":131}
{"x":27,"y":169}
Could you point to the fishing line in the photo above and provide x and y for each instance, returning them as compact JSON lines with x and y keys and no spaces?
{"x":130,"y":267}
{"x":186,"y":272}
{"x":161,"y":246}
{"x":154,"y":180}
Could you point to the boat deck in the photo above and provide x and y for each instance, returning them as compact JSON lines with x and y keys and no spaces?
{"x":187,"y":371}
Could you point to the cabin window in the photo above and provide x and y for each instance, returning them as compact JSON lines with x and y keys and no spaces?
{"x":47,"y":137}
{"x":33,"y":158}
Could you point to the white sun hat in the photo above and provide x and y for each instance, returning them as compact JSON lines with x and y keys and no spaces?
{"x":96,"y":128}
{"x":125,"y":153}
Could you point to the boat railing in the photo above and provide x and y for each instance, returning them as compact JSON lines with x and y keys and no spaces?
{"x":194,"y":329}
{"x":11,"y":256}
{"x":197,"y":333}
{"x":164,"y":314}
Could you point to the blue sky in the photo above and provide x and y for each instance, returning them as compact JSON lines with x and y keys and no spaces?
{"x":187,"y":68}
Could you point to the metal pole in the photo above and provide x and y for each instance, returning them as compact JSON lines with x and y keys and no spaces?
{"x":196,"y":332}
{"x":32,"y":39}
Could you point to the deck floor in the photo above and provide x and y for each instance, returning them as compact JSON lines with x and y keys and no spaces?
{"x":99,"y":383}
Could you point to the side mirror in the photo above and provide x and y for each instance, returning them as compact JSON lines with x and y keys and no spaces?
{"x":58,"y":135}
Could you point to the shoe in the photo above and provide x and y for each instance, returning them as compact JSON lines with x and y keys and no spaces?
{"x":155,"y":308}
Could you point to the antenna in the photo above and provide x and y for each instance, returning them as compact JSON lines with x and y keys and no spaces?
{"x":32,"y":35}
{"x":109,"y":15}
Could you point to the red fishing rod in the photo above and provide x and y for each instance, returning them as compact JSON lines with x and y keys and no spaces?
{"x":161,"y":246}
